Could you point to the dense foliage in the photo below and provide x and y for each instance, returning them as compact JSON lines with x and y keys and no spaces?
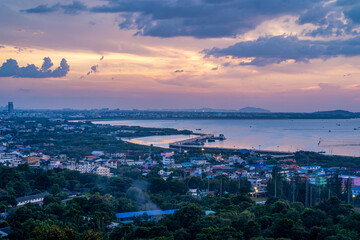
{"x":89,"y":215}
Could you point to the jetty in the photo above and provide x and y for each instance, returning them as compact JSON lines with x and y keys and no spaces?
{"x":198,"y":142}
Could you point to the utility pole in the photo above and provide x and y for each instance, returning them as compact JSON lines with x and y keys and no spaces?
{"x":293,"y":188}
{"x":275,"y":183}
{"x":208,"y":185}
{"x":310,"y":195}
{"x":239,"y":184}
{"x":220,"y":186}
{"x":348,"y":190}
{"x":307,"y":193}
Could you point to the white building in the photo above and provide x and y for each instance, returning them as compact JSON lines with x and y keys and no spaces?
{"x":167,"y":161}
{"x":38,"y":198}
{"x":84,"y":167}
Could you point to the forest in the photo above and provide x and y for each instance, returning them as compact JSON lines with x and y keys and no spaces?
{"x":90,"y":215}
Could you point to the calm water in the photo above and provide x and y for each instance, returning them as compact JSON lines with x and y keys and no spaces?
{"x":331,"y":136}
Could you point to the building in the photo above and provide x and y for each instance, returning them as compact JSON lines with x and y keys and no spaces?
{"x":128,"y":217}
{"x":33,"y":161}
{"x":167,"y":153}
{"x":167,"y":161}
{"x":103,"y":171}
{"x":355,"y":181}
{"x":318,"y":180}
{"x":10,"y":107}
{"x":37,"y":198}
{"x":310,"y":168}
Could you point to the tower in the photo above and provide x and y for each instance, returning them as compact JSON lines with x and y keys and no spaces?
{"x":10,"y":107}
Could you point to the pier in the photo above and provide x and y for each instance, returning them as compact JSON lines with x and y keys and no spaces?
{"x":197,"y":143}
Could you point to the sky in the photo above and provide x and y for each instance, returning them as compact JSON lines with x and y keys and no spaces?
{"x":282,"y":55}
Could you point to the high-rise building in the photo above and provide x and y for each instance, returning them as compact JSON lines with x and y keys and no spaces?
{"x":10,"y":107}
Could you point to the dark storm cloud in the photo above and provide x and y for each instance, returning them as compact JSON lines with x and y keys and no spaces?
{"x":74,"y":8}
{"x":329,"y":18}
{"x":10,"y":68}
{"x":278,"y":49}
{"x":200,"y":18}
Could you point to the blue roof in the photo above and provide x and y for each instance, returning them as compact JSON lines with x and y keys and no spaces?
{"x":187,"y":163}
{"x":356,"y":188}
{"x":149,"y":213}
{"x":207,"y":212}
{"x":195,"y":175}
{"x":271,"y":165}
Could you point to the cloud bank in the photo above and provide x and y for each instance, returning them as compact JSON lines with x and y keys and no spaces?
{"x":10,"y":68}
{"x":270,"y":50}
{"x":74,"y":8}
{"x":200,"y":18}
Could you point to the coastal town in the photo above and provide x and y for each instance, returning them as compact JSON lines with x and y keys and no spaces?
{"x":238,"y":164}
{"x":67,"y":161}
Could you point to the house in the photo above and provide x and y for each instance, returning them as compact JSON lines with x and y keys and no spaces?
{"x":236,"y":159}
{"x":37,"y":198}
{"x":128,"y":217}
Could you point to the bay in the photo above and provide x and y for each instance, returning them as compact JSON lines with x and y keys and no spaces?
{"x":334,"y":137}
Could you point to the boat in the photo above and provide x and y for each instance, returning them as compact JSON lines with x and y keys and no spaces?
{"x":198,"y":129}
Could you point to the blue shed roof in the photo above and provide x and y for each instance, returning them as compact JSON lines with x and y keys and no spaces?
{"x":149,"y":213}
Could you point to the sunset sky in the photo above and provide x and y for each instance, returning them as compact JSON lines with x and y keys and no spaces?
{"x":282,"y":55}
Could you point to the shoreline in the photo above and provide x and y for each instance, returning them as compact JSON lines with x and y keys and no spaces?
{"x":215,"y":148}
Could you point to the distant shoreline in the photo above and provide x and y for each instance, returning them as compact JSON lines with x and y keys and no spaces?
{"x":214,"y":118}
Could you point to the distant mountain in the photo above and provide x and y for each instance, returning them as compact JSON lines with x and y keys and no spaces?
{"x":244,"y":110}
{"x":334,"y":112}
{"x":254,"y":110}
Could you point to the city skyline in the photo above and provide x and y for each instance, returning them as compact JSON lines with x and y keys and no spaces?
{"x":285,"y":56}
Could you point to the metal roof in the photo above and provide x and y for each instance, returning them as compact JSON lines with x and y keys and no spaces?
{"x":31,"y":197}
{"x":149,"y":213}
